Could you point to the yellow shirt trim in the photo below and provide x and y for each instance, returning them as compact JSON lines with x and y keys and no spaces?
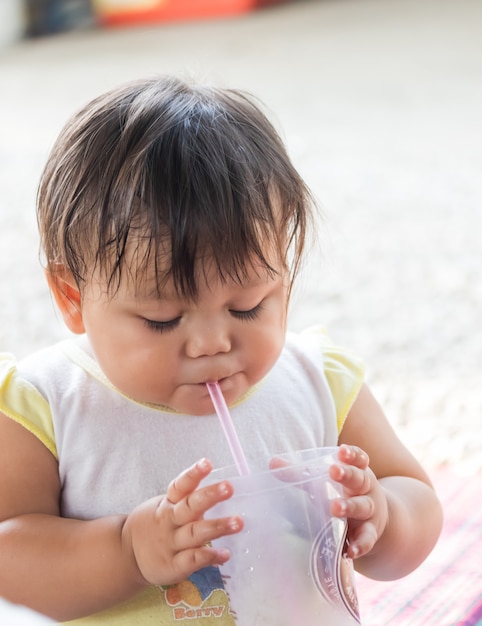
{"x":21,"y":402}
{"x":344,"y":371}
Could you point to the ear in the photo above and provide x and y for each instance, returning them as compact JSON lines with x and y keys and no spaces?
{"x":67,"y":297}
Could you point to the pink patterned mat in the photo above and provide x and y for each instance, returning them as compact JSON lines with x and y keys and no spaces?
{"x":446,"y":590}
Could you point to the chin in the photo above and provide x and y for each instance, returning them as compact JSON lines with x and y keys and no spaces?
{"x":194,"y":402}
{"x":201,"y":407}
{"x":199,"y":410}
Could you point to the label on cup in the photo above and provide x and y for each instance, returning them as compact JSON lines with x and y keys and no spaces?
{"x":332,"y":570}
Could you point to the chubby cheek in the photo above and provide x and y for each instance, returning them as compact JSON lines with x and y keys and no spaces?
{"x":142,"y":378}
{"x":264,"y":352}
{"x":133,"y":368}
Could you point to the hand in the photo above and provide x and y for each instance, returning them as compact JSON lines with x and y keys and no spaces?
{"x":168,"y":535}
{"x":364,"y":503}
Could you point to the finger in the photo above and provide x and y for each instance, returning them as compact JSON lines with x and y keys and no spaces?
{"x":197,"y":534}
{"x":277,"y":463}
{"x":188,"y":480}
{"x":353,"y":455}
{"x":195,"y":504}
{"x":359,"y":508}
{"x":285,"y":471}
{"x":362,"y":540}
{"x":354,"y":480}
{"x":189,"y":561}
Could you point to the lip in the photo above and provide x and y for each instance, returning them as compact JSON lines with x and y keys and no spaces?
{"x":217,"y":380}
{"x":203,"y":385}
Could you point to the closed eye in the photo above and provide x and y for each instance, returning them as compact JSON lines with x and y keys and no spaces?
{"x":249,"y":315}
{"x":162,"y":327}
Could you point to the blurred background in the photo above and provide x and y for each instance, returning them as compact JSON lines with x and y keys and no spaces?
{"x":380,"y":105}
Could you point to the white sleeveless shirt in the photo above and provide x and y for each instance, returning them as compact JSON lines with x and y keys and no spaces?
{"x":115,"y":453}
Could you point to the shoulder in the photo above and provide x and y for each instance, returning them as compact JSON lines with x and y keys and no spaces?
{"x":315,"y":344}
{"x":342,"y":368}
{"x":23,"y":396}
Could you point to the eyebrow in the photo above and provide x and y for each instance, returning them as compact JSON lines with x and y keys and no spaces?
{"x":151,"y":291}
{"x":155,"y":294}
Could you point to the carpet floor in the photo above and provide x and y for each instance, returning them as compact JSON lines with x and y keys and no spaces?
{"x":446,"y":590}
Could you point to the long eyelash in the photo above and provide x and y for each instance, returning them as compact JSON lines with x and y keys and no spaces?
{"x":250,"y":315}
{"x":162,"y":327}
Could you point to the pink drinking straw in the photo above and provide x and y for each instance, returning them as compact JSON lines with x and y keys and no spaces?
{"x":230,"y":433}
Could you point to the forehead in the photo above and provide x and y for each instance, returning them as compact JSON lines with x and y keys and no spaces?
{"x":148,"y":267}
{"x":148,"y":272}
{"x":153,"y":283}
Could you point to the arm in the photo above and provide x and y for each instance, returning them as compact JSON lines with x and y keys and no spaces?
{"x":394,"y":515}
{"x":68,"y":568}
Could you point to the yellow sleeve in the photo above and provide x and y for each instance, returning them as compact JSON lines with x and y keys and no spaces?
{"x":344,"y":371}
{"x":22,"y":402}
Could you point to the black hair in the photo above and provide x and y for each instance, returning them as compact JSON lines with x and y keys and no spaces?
{"x":182,"y":172}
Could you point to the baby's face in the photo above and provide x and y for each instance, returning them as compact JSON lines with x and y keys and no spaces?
{"x":162,"y":349}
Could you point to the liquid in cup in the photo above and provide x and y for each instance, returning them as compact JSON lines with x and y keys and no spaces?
{"x":287,"y":566}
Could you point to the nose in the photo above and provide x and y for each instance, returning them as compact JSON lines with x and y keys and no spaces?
{"x":208,"y":340}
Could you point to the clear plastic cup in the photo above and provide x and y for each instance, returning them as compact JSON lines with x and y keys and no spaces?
{"x":287,"y":566}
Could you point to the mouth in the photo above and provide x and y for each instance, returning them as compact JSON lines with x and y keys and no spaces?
{"x":227,"y":384}
{"x":203,"y":385}
{"x":216,"y":380}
